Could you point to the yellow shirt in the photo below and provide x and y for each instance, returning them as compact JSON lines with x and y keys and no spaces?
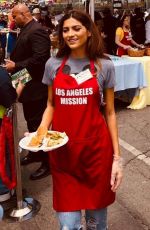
{"x":120,"y":33}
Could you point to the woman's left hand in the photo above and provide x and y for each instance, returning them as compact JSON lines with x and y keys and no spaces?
{"x":20,"y":88}
{"x":116,"y":174}
{"x":141,"y":46}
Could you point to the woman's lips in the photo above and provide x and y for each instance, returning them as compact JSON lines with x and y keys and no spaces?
{"x":72,"y":40}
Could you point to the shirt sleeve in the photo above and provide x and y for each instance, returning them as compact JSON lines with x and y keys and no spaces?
{"x":51,"y":69}
{"x":106,"y":77}
{"x":110,"y":81}
{"x":47,"y":77}
{"x":119,"y":32}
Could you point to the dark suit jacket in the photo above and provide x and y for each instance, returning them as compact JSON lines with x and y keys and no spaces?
{"x":31,"y":52}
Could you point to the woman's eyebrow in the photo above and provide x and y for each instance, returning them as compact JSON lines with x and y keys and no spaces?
{"x":72,"y":26}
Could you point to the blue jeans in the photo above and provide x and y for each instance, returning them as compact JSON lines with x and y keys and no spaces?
{"x":3,"y":188}
{"x":95,"y":220}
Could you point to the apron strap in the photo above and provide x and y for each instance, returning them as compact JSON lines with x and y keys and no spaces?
{"x":92,"y":67}
{"x":62,"y":65}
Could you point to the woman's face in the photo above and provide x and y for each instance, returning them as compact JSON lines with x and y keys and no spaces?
{"x":75,"y":34}
{"x":126,"y":21}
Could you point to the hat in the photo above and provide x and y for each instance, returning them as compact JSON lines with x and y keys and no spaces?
{"x":36,"y":11}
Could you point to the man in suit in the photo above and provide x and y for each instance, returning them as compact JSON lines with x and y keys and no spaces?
{"x":31,"y":52}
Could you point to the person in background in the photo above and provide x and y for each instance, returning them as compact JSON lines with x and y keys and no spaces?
{"x":116,"y":13}
{"x":36,"y":14}
{"x":12,"y":36}
{"x":109,"y":31}
{"x":3,"y":37}
{"x":43,"y":19}
{"x":31,"y":52}
{"x":123,"y":38}
{"x":8,"y":96}
{"x":147,"y":28}
{"x":87,"y":170}
{"x":138,"y":26}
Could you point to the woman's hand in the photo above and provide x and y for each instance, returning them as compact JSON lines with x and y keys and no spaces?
{"x":141,"y":46}
{"x":127,"y":47}
{"x":20,"y":88}
{"x":26,"y":134}
{"x":116,"y":174}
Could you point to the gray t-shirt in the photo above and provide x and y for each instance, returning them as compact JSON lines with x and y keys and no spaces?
{"x":105,"y":77}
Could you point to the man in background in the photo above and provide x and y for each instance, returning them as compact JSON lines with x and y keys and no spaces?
{"x":36,"y":14}
{"x":31,"y":52}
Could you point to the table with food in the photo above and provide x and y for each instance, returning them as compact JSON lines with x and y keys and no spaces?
{"x":143,"y":99}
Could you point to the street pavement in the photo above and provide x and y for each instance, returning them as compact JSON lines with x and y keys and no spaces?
{"x":132,"y":207}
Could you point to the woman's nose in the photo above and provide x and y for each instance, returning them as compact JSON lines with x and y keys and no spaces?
{"x":70,"y":32}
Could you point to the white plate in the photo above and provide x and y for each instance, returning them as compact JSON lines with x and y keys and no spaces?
{"x":25,"y":141}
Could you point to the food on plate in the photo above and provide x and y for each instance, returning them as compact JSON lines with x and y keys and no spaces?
{"x":55,"y":138}
{"x":46,"y":138}
{"x":55,"y":135}
{"x":35,"y":142}
{"x":53,"y":142}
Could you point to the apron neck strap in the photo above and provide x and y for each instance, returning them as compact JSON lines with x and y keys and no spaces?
{"x":62,"y":64}
{"x":92,"y":67}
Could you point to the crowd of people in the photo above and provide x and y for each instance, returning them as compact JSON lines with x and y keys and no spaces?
{"x":112,"y":27}
{"x":87,"y":171}
{"x":138,"y":27}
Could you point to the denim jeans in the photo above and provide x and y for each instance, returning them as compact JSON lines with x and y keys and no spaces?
{"x":3,"y":188}
{"x":95,"y":220}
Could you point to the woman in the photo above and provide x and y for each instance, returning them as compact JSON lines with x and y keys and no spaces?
{"x":123,"y":37}
{"x":8,"y":96}
{"x":147,"y":28}
{"x":87,"y":170}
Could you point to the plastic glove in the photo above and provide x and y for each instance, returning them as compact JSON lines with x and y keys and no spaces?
{"x":116,"y":174}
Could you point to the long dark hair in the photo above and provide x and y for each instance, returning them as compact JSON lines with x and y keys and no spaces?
{"x":94,"y":48}
{"x":122,"y":19}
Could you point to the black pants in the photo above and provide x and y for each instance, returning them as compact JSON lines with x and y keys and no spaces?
{"x":33,"y":112}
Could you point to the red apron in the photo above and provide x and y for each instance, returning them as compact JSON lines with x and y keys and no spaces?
{"x":81,"y":169}
{"x":126,"y":41}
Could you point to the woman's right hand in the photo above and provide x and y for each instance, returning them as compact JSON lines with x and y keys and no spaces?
{"x":126,"y":47}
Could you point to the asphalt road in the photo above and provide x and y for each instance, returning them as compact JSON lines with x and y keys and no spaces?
{"x":132,"y":207}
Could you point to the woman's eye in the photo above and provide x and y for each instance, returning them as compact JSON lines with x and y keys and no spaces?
{"x":65,"y":30}
{"x":77,"y":29}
